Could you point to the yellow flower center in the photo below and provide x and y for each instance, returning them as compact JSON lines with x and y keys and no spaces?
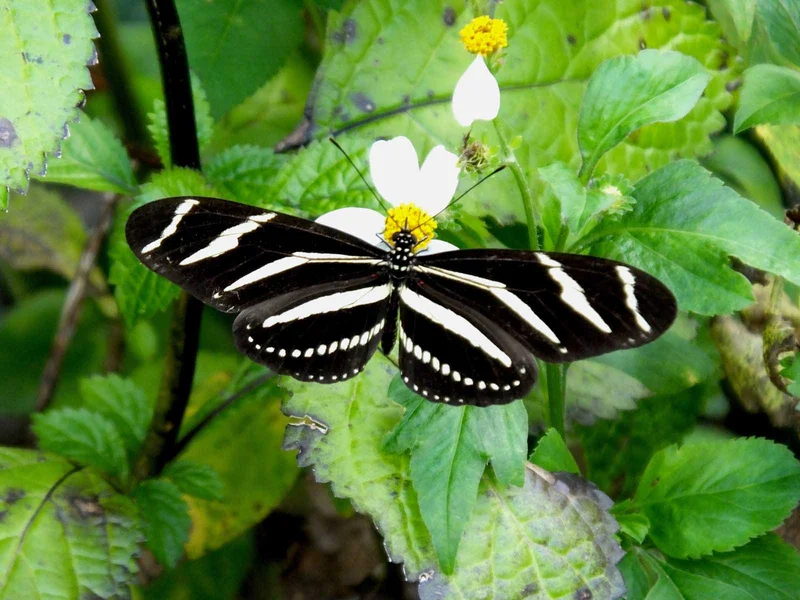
{"x":484,"y":35}
{"x":411,"y":218}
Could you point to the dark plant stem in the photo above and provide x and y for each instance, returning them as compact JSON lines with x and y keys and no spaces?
{"x":72,"y":306}
{"x":179,"y":363}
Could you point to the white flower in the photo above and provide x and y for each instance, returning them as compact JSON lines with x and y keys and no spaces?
{"x":405,"y":185}
{"x":477,"y":95}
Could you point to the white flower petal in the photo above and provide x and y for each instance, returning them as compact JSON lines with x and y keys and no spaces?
{"x":477,"y":95}
{"x":394,"y":167}
{"x":363,"y":223}
{"x":438,"y":180}
{"x":436,"y":246}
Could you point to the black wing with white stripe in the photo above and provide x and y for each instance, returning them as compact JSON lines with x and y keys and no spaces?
{"x":232,"y":256}
{"x":561,"y":307}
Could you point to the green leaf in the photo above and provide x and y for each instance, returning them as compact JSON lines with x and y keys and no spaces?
{"x":597,"y":390}
{"x":617,"y":452}
{"x":628,"y":92}
{"x":254,"y":472}
{"x":634,"y":525}
{"x":159,"y":129}
{"x":781,"y":20}
{"x":44,"y":52}
{"x":93,"y":159}
{"x":450,"y":447}
{"x":678,"y":233}
{"x":552,"y":454}
{"x":770,"y":95}
{"x":195,"y":479}
{"x":245,"y":172}
{"x":65,"y":534}
{"x":735,"y":17}
{"x":714,"y":496}
{"x":780,"y":143}
{"x":791,"y":370}
{"x":123,"y":403}
{"x":42,"y":233}
{"x":373,"y":83}
{"x":503,"y":548}
{"x":165,"y":519}
{"x":236,"y":46}
{"x":140,"y":293}
{"x":83,"y":436}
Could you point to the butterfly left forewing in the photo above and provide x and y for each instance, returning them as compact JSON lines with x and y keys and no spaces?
{"x":562,"y":307}
{"x":232,"y":255}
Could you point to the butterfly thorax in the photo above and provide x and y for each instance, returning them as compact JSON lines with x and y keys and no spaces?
{"x":401,"y":256}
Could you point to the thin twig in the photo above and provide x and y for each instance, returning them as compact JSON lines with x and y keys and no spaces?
{"x":179,"y":363}
{"x":72,"y":305}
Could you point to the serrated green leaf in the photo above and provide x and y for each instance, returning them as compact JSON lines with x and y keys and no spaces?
{"x":617,"y":452}
{"x":634,"y":525}
{"x":551,"y":453}
{"x":83,"y":436}
{"x":715,"y":496}
{"x":503,"y":548}
{"x":43,"y":56}
{"x":123,"y":403}
{"x":236,"y":46}
{"x":195,"y":479}
{"x":65,"y":533}
{"x":253,"y":470}
{"x":680,"y":232}
{"x":159,"y":129}
{"x":781,"y":21}
{"x":450,"y":447}
{"x":354,"y":101}
{"x":165,"y":519}
{"x":597,"y":390}
{"x":140,"y":293}
{"x":628,"y":92}
{"x":246,"y":172}
{"x":93,"y":159}
{"x":42,"y":233}
{"x":570,"y":197}
{"x":770,"y":95}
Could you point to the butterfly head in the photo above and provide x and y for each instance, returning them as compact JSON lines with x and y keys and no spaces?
{"x":407,"y":225}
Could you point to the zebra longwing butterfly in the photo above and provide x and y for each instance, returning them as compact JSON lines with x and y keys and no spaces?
{"x":315,"y":302}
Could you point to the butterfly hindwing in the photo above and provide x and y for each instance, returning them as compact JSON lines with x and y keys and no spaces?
{"x":455,"y":354}
{"x":232,"y":255}
{"x":561,"y":307}
{"x":324,"y":333}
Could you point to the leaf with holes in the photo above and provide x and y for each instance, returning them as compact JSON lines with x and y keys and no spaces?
{"x":66,"y":533}
{"x":373,"y":82}
{"x":44,"y":50}
{"x":501,"y":548}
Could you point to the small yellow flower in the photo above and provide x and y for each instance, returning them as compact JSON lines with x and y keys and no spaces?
{"x":409,"y":217}
{"x":484,"y":35}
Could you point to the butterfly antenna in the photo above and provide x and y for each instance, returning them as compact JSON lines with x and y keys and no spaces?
{"x":360,"y":174}
{"x":460,"y":196}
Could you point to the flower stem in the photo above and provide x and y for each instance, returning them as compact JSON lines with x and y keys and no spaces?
{"x":179,"y":363}
{"x":510,"y":160}
{"x":556,"y":396}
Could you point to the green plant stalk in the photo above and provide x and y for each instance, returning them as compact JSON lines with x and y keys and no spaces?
{"x":181,"y":358}
{"x":531,"y":217}
{"x":556,"y":397}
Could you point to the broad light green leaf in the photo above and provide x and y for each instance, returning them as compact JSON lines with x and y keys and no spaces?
{"x":628,"y":92}
{"x":781,"y":20}
{"x":503,"y":548}
{"x":245,"y":172}
{"x":254,"y":473}
{"x":42,"y":233}
{"x":65,"y":534}
{"x":552,"y":454}
{"x":44,"y":50}
{"x":770,"y":95}
{"x":165,"y":519}
{"x":93,"y":159}
{"x":140,"y":293}
{"x":715,"y":496}
{"x":83,"y":436}
{"x":682,"y":229}
{"x":195,"y":479}
{"x":597,"y":390}
{"x":236,"y":46}
{"x":123,"y":403}
{"x":450,"y":447}
{"x":159,"y":127}
{"x":735,"y":17}
{"x":373,"y":82}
